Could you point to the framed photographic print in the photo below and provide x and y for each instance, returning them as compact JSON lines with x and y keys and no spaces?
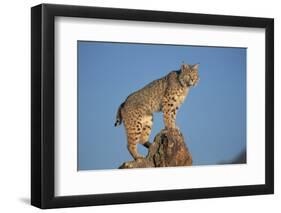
{"x":140,"y":106}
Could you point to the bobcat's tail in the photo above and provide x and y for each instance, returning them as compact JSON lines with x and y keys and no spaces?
{"x":119,"y":116}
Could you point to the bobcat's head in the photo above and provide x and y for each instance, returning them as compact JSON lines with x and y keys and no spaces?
{"x":189,"y":74}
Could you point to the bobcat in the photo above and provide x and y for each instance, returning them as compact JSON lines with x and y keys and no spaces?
{"x":165,"y":94}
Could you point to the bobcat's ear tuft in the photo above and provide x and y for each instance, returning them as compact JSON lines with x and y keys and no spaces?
{"x":195,"y":66}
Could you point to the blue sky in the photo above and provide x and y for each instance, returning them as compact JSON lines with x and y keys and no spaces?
{"x":212,"y":118}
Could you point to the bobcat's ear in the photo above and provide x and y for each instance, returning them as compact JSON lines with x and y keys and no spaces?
{"x":184,"y":67}
{"x":195,"y":66}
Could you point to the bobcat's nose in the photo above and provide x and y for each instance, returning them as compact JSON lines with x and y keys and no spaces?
{"x":194,"y":81}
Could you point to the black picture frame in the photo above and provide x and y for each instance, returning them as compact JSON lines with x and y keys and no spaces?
{"x":43,"y":113}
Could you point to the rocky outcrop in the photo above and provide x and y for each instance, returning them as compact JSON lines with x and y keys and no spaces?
{"x":167,"y":150}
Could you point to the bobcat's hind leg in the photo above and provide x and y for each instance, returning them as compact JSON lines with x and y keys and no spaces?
{"x":133,"y":129}
{"x":133,"y":151}
{"x":133,"y":140}
{"x":146,"y":130}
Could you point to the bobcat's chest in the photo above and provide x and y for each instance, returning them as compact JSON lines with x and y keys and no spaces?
{"x":181,"y":95}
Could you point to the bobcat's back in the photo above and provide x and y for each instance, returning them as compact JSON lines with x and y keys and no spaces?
{"x":149,"y":97}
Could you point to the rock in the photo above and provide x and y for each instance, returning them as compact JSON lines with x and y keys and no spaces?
{"x":167,"y":150}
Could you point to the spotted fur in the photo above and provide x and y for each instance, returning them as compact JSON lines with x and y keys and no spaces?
{"x":165,"y":94}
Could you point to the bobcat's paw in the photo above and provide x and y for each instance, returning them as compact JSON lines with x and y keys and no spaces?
{"x":139,"y":158}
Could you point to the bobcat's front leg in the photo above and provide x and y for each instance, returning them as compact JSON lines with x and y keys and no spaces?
{"x":169,"y":109}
